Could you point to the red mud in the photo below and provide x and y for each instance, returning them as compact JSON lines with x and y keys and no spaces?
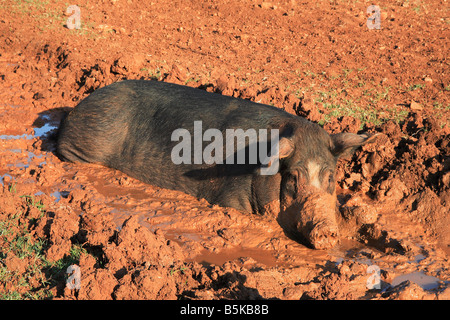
{"x":317,"y":60}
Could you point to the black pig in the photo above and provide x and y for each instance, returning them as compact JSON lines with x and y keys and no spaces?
{"x":131,"y":126}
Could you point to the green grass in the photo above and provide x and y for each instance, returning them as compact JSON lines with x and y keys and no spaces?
{"x":364,"y":115}
{"x":415,"y":87}
{"x":40,"y":275}
{"x":176,"y":270}
{"x":370,"y":107}
{"x":351,"y":92}
{"x":31,"y":200}
{"x":16,"y":239}
{"x":192,"y":80}
{"x":52,"y":17}
{"x":153,"y":74}
{"x":39,"y":10}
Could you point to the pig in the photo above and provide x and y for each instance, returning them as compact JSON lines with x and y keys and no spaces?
{"x":129,"y":126}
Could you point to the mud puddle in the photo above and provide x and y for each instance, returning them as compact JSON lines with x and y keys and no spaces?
{"x":209,"y":234}
{"x":213,"y":235}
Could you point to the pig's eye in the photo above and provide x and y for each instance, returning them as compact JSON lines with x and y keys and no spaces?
{"x":291,"y":183}
{"x":330,"y":179}
{"x":331,"y":182}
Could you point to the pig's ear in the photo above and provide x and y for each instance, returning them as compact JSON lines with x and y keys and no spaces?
{"x":286,"y":147}
{"x":344,"y":144}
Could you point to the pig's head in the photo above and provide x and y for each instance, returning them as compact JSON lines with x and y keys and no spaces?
{"x":307,"y":194}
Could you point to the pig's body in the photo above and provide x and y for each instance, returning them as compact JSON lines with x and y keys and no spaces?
{"x":128,"y":126}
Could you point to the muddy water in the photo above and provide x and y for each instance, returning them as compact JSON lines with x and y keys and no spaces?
{"x":209,"y":234}
{"x":214,"y":235}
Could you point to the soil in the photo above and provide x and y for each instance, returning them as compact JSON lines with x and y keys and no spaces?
{"x":314,"y":59}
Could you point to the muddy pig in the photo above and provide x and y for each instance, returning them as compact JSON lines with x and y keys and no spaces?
{"x":177,"y":137}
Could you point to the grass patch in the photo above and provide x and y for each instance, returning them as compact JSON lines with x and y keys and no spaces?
{"x":25,"y":273}
{"x":17,"y":242}
{"x":355,"y":93}
{"x":375,"y":111}
{"x":153,"y":74}
{"x":415,"y":87}
{"x":39,"y":10}
{"x":364,"y":115}
{"x":49,"y":15}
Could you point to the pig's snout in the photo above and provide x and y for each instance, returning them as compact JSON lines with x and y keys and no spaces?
{"x":314,"y":218}
{"x":324,"y":235}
